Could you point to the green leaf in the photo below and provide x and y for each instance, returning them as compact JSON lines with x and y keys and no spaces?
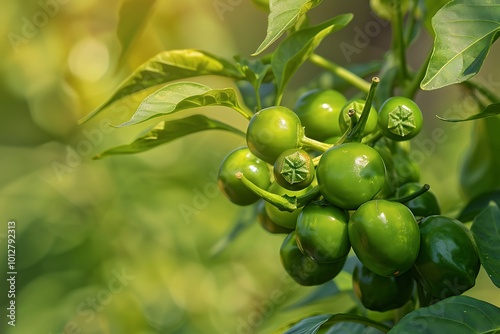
{"x":309,"y":325}
{"x":489,"y":111}
{"x":283,"y":15}
{"x":351,"y":328}
{"x":169,"y":66}
{"x":465,"y":31}
{"x":486,"y":232}
{"x":133,"y":16}
{"x":181,"y":96}
{"x":297,"y":47}
{"x":460,"y":314}
{"x":167,"y":131}
{"x":312,"y":325}
{"x":481,"y":162}
{"x":256,"y":73}
{"x":478,"y":204}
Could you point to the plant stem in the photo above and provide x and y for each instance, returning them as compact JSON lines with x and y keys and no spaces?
{"x":412,"y":18}
{"x":483,"y":90}
{"x":257,"y":96}
{"x":414,"y":195}
{"x":356,"y":134}
{"x":414,"y":85}
{"x":398,"y":41}
{"x":372,"y":137}
{"x":285,"y":204}
{"x":314,"y":144}
{"x":340,"y":71}
{"x":245,"y":113}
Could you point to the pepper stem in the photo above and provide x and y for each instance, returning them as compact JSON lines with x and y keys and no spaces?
{"x":414,"y":195}
{"x":356,"y":134}
{"x":285,"y":202}
{"x":314,"y":144}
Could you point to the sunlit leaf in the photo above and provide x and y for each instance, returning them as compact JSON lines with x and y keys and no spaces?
{"x":169,"y":66}
{"x":181,"y":96}
{"x":133,"y":16}
{"x":489,"y":111}
{"x":309,"y":325}
{"x":465,"y":31}
{"x":297,"y":47}
{"x":167,"y":131}
{"x":460,"y":314}
{"x":486,"y":232}
{"x":283,"y":15}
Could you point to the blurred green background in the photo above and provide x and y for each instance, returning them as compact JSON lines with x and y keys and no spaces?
{"x":125,"y":244}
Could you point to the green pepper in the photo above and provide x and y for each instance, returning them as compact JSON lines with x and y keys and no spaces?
{"x":379,"y":293}
{"x":266,"y":222}
{"x":422,"y":206}
{"x":303,"y":268}
{"x":322,"y":232}
{"x":385,"y":237}
{"x":448,"y":261}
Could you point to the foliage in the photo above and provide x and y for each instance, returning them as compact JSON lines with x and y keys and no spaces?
{"x":152,"y":214}
{"x":464,"y":33}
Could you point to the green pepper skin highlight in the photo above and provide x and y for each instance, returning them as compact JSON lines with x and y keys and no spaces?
{"x":385,"y":237}
{"x":272,"y":131}
{"x":319,"y":112}
{"x":350,"y":175}
{"x":256,"y":170}
{"x":304,"y":269}
{"x":322,"y":232}
{"x":448,"y":262}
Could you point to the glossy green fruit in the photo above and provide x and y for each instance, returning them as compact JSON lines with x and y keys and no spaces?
{"x":322,"y":232}
{"x":358,"y":105}
{"x":294,"y":169}
{"x":272,"y":131}
{"x":319,"y":112}
{"x":350,"y":174}
{"x":385,"y":237}
{"x":266,"y":223}
{"x":422,"y":206}
{"x":400,"y":118}
{"x":379,"y":293}
{"x":256,"y":170}
{"x":304,"y":269}
{"x":448,"y":262}
{"x":284,"y":218}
